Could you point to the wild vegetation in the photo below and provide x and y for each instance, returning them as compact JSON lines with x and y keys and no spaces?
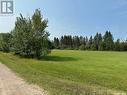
{"x":99,"y":42}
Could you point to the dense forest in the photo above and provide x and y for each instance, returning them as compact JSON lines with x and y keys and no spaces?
{"x":97,"y":43}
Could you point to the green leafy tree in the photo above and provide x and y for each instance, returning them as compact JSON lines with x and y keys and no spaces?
{"x":91,"y":40}
{"x":56,"y":43}
{"x":30,"y":37}
{"x":108,"y":43}
{"x":5,"y":42}
{"x":97,"y":41}
{"x":117,"y":45}
{"x":40,"y":36}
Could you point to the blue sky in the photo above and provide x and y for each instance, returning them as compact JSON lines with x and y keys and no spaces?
{"x":74,"y":17}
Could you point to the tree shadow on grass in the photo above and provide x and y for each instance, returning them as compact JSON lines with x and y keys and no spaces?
{"x":58,"y":58}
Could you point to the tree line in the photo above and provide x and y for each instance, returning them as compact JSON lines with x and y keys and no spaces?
{"x":28,"y":38}
{"x":97,"y":43}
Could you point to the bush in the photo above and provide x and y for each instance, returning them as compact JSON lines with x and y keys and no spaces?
{"x":82,"y":47}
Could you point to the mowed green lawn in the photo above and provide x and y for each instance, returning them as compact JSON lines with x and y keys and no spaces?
{"x":68,"y":72}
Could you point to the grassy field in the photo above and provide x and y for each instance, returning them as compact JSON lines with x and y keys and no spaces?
{"x":68,"y":72}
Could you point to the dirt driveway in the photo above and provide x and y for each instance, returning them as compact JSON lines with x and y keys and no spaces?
{"x":11,"y":84}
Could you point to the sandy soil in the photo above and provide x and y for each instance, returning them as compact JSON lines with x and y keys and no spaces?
{"x":11,"y":84}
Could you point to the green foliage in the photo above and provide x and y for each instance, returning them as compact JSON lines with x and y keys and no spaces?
{"x":108,"y":41}
{"x":56,"y":43}
{"x":82,"y":47}
{"x":97,"y":43}
{"x":93,"y":47}
{"x":30,"y":37}
{"x":117,"y":45}
{"x":5,"y":42}
{"x":87,"y":47}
